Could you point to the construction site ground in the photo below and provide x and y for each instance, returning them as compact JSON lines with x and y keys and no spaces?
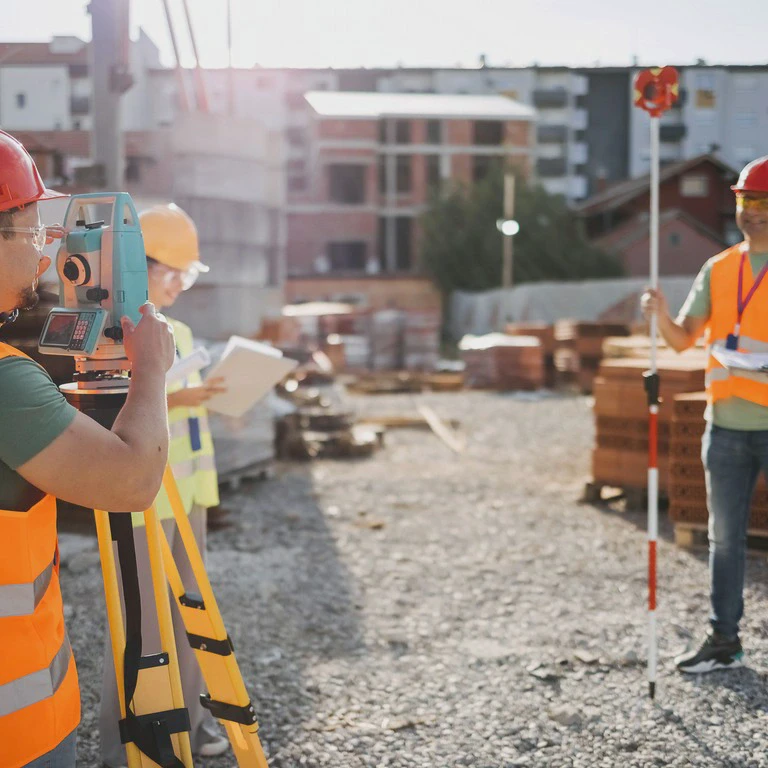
{"x":432,"y":609}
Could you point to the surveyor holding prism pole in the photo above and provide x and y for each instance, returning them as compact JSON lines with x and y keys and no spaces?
{"x":172,"y":248}
{"x":729,"y":302}
{"x":48,"y":449}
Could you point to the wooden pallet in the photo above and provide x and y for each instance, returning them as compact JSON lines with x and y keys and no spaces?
{"x":694,"y":536}
{"x":261,"y":470}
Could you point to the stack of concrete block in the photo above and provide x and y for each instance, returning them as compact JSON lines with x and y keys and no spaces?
{"x":620,"y":456}
{"x":421,"y":340}
{"x":579,"y":350}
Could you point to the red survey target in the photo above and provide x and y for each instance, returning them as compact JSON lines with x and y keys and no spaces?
{"x":656,"y":89}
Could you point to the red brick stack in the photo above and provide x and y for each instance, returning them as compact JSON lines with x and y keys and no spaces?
{"x":579,"y":350}
{"x":620,"y":456}
{"x":498,"y":361}
{"x":687,"y":490}
{"x":545,"y":333}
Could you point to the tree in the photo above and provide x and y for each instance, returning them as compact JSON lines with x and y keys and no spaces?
{"x":462,"y":248}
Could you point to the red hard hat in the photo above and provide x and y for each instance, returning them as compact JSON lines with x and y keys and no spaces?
{"x":754,"y":177}
{"x":20,"y":182}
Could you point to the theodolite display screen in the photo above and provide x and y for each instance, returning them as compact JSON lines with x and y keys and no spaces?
{"x":60,"y":329}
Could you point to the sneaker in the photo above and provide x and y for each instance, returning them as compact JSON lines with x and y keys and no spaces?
{"x":214,"y":748}
{"x":716,"y":652}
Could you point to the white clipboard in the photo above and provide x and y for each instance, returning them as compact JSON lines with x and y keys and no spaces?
{"x":250,"y":369}
{"x":752,"y":362}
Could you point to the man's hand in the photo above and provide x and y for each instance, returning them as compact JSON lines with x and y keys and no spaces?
{"x":192,"y":397}
{"x":149,"y":345}
{"x":653,"y":300}
{"x":54,"y":232}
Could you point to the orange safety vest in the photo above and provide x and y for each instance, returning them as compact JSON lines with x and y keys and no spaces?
{"x":753,"y":333}
{"x":39,"y":694}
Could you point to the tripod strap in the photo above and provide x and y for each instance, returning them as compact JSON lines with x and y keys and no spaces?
{"x":151,"y":733}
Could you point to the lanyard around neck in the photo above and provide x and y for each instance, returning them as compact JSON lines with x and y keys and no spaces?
{"x":744,"y":302}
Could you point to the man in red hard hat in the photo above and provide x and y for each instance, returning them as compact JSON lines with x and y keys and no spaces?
{"x":50,"y":450}
{"x":729,"y":302}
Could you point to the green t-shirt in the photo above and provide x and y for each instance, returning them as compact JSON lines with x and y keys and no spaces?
{"x":33,"y":413}
{"x":733,"y":412}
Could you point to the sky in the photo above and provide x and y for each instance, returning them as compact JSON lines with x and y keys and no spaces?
{"x":371,"y":33}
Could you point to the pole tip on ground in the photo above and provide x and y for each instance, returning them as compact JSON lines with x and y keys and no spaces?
{"x":652,"y":690}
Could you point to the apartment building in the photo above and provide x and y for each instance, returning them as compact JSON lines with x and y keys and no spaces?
{"x":376,"y":159}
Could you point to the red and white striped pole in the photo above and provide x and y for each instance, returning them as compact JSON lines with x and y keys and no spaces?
{"x":655,"y":90}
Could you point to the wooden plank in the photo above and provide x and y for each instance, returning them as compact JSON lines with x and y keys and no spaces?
{"x":441,"y":429}
{"x":403,"y":422}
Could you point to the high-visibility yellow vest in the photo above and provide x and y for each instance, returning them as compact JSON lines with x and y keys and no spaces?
{"x":753,"y":335}
{"x":190,"y":452}
{"x":39,"y":695}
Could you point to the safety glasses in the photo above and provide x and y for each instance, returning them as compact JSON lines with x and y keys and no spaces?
{"x":169,"y":275}
{"x":38,"y":234}
{"x":751,"y":203}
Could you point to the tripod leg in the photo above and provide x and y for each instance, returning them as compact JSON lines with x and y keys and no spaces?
{"x":165,"y":624}
{"x":227,"y":698}
{"x":115,"y":618}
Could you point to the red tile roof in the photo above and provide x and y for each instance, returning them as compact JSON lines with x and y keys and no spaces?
{"x":38,"y":54}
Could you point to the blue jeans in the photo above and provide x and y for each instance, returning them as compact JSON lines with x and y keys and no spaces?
{"x":732,"y":461}
{"x":62,"y":756}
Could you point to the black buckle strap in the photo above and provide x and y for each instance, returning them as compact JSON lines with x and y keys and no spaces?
{"x":208,"y":644}
{"x":152,"y":734}
{"x":222,"y":711}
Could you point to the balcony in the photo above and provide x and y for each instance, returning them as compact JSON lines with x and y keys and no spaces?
{"x":550,"y":98}
{"x":552,"y":134}
{"x":551,"y":167}
{"x":80,"y":105}
{"x":674,"y":132}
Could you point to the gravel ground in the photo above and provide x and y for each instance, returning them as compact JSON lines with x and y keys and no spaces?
{"x":426,"y":609}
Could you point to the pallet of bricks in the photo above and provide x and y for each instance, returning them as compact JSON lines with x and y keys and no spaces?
{"x":545,"y":333}
{"x":501,"y":362}
{"x":579,"y":350}
{"x":620,"y":455}
{"x":687,"y":489}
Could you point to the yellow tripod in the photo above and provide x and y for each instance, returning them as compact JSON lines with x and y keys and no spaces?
{"x":155,"y":723}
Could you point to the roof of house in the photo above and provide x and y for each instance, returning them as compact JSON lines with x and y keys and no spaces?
{"x":637,"y":228}
{"x":78,"y":143}
{"x":354,"y":105}
{"x":32,"y":54}
{"x":623,"y":191}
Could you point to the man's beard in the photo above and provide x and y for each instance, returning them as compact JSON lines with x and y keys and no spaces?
{"x":28,"y":299}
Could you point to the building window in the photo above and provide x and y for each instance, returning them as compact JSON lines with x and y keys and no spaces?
{"x":402,"y":132}
{"x":297,"y":176}
{"x":489,"y":132}
{"x":403,"y":243}
{"x":705,"y":99}
{"x":434,"y":132}
{"x":705,"y":80}
{"x":346,"y":183}
{"x":579,"y":135}
{"x":694,"y":186}
{"x":132,"y":169}
{"x":674,"y":239}
{"x":404,"y":181}
{"x":351,"y":256}
{"x":482,"y":166}
{"x":383,"y":132}
{"x":745,"y":82}
{"x":21,"y":100}
{"x":433,"y":173}
{"x":297,"y":137}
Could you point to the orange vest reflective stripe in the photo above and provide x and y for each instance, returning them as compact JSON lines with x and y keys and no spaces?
{"x":753,"y":334}
{"x":39,"y":694}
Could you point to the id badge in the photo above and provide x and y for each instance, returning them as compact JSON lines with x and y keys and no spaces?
{"x":194,"y":433}
{"x":732,"y":342}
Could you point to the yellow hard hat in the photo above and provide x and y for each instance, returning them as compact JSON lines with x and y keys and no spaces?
{"x":170,"y":237}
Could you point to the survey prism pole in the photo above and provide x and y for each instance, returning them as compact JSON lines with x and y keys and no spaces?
{"x":655,"y":91}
